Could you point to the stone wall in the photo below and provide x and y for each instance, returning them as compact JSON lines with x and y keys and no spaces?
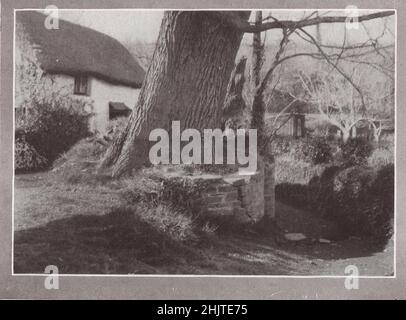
{"x":241,"y":198}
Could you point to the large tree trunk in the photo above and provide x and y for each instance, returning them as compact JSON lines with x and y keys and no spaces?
{"x":258,"y":108}
{"x":186,"y":81}
{"x":234,"y":104}
{"x":257,"y":52}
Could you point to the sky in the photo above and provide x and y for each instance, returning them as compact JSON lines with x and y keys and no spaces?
{"x":143,"y":25}
{"x":122,"y":25}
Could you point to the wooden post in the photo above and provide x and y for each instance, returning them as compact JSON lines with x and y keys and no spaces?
{"x":302,"y":125}
{"x":295,"y":126}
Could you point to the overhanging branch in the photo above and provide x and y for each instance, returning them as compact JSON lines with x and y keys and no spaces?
{"x":235,"y":21}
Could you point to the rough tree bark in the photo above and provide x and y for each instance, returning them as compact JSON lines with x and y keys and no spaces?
{"x":234,"y":104}
{"x":186,"y":81}
{"x":258,"y":108}
{"x":190,"y":69}
{"x":257,"y":52}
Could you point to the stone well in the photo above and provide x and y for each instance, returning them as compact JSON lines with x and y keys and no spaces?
{"x":242,"y":198}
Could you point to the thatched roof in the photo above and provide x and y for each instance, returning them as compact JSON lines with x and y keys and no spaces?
{"x":73,"y":49}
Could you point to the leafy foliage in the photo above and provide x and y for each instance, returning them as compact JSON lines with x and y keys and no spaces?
{"x":314,"y":150}
{"x":292,"y":193}
{"x":358,"y":198}
{"x":52,"y":129}
{"x":364,"y":200}
{"x":381,"y":156}
{"x":355,"y":152}
{"x":26,"y":157}
{"x":317,"y":150}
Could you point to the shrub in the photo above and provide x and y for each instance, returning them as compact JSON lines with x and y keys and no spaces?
{"x":315,"y":150}
{"x":380,"y":205}
{"x":364,"y":201}
{"x":321,"y":191}
{"x":291,"y":170}
{"x":318,"y":151}
{"x":27,"y":158}
{"x":52,"y":128}
{"x":280,"y":146}
{"x":380,"y":157}
{"x":292,"y":194}
{"x":355,"y":152}
{"x":359,"y":198}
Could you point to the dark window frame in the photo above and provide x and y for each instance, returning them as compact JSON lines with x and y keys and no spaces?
{"x":81,"y":85}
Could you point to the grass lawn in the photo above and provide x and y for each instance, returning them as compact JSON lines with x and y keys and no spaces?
{"x":78,"y":228}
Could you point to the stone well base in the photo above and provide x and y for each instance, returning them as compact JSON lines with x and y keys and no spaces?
{"x":242,"y":198}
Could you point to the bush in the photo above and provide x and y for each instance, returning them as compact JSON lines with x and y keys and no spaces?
{"x":380,"y":205}
{"x":27,"y":158}
{"x":290,"y":170}
{"x":380,"y":157}
{"x":364,"y":201}
{"x":360,"y":199}
{"x":318,"y":151}
{"x":52,"y":128}
{"x":321,"y":191}
{"x":355,"y":152}
{"x":314,"y":150}
{"x":292,"y":194}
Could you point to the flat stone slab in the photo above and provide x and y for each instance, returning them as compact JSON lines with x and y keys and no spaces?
{"x":326,"y":241}
{"x":295,"y":236}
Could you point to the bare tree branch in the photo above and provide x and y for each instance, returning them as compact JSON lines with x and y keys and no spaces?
{"x":234,"y":20}
{"x":336,"y":67}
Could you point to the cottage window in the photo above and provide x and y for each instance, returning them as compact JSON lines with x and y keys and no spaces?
{"x":81,"y":85}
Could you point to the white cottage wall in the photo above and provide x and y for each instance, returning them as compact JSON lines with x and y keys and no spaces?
{"x":102,"y":92}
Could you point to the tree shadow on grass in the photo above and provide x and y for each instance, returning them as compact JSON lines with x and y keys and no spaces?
{"x":116,"y":243}
{"x":344,"y":217}
{"x":340,"y":246}
{"x":120,"y":243}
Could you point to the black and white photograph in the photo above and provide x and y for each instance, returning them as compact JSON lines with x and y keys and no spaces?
{"x":127,"y":125}
{"x":180,"y":144}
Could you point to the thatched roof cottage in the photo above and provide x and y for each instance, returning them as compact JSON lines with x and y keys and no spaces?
{"x":87,"y":63}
